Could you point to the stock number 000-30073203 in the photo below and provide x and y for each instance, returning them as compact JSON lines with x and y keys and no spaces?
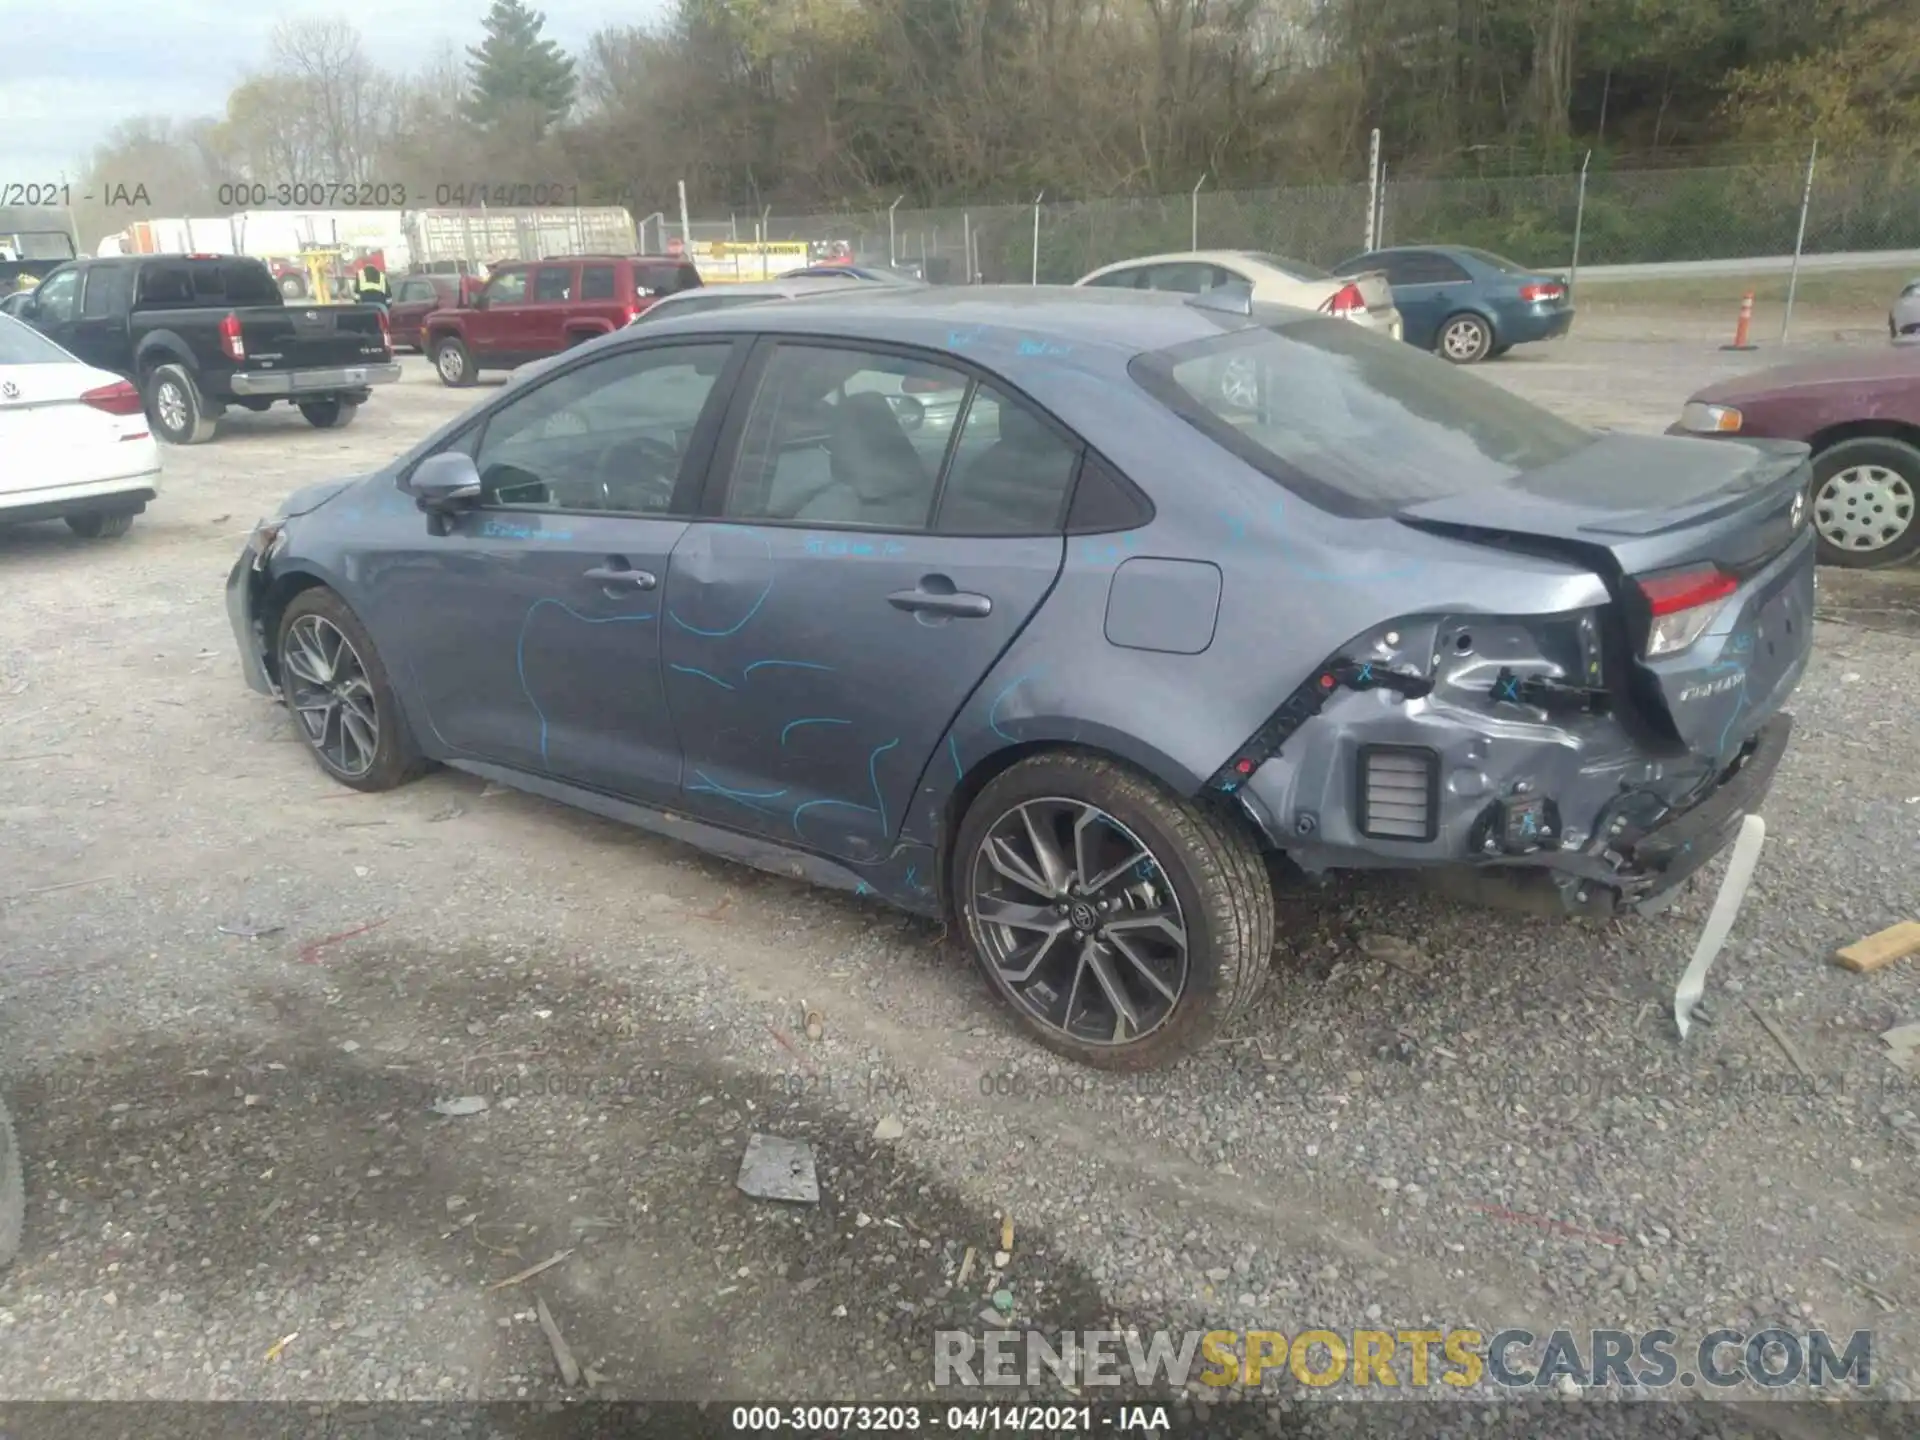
{"x":318,"y":194}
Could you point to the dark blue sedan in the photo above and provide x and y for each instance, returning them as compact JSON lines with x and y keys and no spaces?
{"x":1469,"y":305}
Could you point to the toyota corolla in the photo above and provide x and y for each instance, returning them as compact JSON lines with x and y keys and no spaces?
{"x":1186,"y":582}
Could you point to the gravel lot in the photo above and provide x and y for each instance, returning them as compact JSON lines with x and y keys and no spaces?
{"x":229,"y":1137}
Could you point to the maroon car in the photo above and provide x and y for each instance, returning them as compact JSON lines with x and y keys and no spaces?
{"x":417,"y":297}
{"x":1861,"y":415}
{"x":529,"y":310}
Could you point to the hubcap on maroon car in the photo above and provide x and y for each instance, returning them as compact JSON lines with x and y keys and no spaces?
{"x":1863,"y":508}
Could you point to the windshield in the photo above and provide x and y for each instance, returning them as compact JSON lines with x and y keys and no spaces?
{"x":1298,"y":269}
{"x":24,"y":345}
{"x":1369,"y":424}
{"x":37,"y":245}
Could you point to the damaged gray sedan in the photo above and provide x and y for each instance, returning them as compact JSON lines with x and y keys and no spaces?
{"x":1184,"y":583}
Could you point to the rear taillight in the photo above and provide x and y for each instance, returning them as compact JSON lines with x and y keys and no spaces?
{"x":386,"y":329}
{"x":119,"y":398}
{"x":1347,"y":302}
{"x":232,"y":345}
{"x":1682,"y":603}
{"x":1546,"y":291}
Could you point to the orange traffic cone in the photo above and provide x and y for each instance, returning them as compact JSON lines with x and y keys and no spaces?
{"x":1743,"y":325}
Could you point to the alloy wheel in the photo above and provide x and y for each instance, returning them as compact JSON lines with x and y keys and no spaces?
{"x":1463,"y":339}
{"x":171,"y":403}
{"x":1077,"y":919}
{"x":451,"y":366}
{"x":328,"y":689}
{"x":1863,"y":508}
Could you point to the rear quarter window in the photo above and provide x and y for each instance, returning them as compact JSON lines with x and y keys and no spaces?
{"x":1363,"y":424}
{"x":249,"y":283}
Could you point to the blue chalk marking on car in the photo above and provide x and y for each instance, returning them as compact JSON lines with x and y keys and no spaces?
{"x":784,"y":664}
{"x":873,"y":776}
{"x":752,"y":610}
{"x":953,"y":749}
{"x":1034,"y":349}
{"x":802,"y":809}
{"x":993,"y":710}
{"x":702,"y":674}
{"x":749,"y":798}
{"x":793,"y":725}
{"x":501,"y":530}
{"x":520,"y":652}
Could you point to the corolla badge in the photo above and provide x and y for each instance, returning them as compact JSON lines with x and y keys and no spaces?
{"x":9,"y":391}
{"x":1799,"y":511}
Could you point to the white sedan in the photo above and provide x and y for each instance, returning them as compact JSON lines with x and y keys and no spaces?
{"x":1274,"y":280}
{"x":74,"y":443}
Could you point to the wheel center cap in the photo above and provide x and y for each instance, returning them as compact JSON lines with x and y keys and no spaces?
{"x":1081,"y":915}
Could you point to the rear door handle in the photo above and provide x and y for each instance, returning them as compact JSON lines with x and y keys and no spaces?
{"x":931,"y":602}
{"x":622,"y":575}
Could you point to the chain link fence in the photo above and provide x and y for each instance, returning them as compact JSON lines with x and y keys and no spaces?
{"x":1617,"y":217}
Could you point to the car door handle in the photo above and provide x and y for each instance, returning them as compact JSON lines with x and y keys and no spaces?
{"x":622,"y":575}
{"x":935,"y":602}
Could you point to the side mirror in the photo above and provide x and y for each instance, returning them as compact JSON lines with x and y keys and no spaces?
{"x":444,"y":483}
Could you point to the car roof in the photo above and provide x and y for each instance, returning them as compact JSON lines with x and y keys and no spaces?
{"x":1209,"y":257}
{"x":1114,"y":324}
{"x":772,"y":289}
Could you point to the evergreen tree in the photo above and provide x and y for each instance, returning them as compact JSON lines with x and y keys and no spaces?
{"x":515,"y":69}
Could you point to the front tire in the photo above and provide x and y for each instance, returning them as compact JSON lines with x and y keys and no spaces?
{"x":176,"y":409}
{"x":1465,"y":339}
{"x":1121,"y":923}
{"x":101,"y":526}
{"x":1863,"y":502}
{"x":343,"y":704}
{"x":329,"y":414}
{"x":454,"y":362}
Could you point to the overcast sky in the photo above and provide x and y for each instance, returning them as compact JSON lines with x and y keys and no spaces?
{"x":72,"y":69}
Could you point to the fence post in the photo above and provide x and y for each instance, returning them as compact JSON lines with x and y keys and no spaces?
{"x":686,"y":225}
{"x":1799,"y":241}
{"x":1194,"y":202}
{"x":966,"y":242}
{"x":1579,"y":219}
{"x":893,"y":253}
{"x":1380,"y":212}
{"x":1373,"y":189}
{"x":1036,"y":235}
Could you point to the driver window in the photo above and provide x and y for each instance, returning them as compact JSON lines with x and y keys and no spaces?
{"x":507,"y":289}
{"x":611,"y":435}
{"x":56,"y":296}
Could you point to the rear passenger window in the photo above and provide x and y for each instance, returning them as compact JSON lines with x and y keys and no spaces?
{"x":246,"y":282}
{"x":166,"y":285}
{"x":553,"y":283}
{"x":596,"y":282}
{"x":1010,"y":471}
{"x":106,"y":294}
{"x":208,"y":282}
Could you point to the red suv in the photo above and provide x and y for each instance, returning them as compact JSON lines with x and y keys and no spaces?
{"x":534,"y":308}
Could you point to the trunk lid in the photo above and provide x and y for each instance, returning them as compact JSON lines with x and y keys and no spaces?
{"x":311,"y":337}
{"x":1373,"y":288}
{"x":51,"y":438}
{"x":1634,"y":506}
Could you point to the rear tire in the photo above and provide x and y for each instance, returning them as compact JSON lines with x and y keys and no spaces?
{"x":13,"y":1190}
{"x":1177,"y":868}
{"x":1465,"y":339}
{"x":101,"y":526}
{"x":1864,"y":501}
{"x":329,"y":414}
{"x":454,"y":362}
{"x":292,"y":286}
{"x":342,"y":702}
{"x":176,"y":410}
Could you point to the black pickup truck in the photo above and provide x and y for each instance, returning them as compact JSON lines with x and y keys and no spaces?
{"x":201,"y":333}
